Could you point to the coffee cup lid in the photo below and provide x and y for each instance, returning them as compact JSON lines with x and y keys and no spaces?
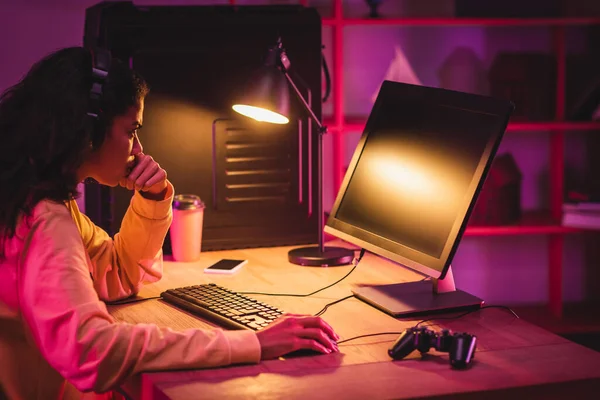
{"x":187,"y":202}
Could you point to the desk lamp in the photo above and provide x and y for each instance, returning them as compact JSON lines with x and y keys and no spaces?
{"x":267,"y":100}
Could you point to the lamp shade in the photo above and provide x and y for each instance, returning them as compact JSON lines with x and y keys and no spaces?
{"x":267,"y":97}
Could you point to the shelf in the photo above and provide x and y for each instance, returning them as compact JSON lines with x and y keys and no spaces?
{"x":358,"y":125}
{"x":532,"y":223}
{"x":553,"y":126}
{"x":457,"y":21}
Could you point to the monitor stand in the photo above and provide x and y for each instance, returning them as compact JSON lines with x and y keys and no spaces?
{"x":419,"y":298}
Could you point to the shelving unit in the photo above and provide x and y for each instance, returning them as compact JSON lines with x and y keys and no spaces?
{"x":542,"y":223}
{"x":532,"y":223}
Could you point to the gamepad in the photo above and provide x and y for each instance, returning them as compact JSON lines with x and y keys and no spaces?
{"x":461,"y":346}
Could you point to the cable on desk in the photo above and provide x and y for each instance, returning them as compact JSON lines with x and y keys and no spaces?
{"x":356,"y":261}
{"x":467,"y":313}
{"x":368,"y":335}
{"x":330,"y":304}
{"x":430,"y":319}
{"x":131,"y":300}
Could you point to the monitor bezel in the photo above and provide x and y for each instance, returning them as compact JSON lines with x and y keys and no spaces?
{"x":416,"y":260}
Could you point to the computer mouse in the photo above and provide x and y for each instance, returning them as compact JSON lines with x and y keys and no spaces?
{"x":303,"y":353}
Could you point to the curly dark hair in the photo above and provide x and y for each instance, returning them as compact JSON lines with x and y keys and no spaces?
{"x":46,"y":133}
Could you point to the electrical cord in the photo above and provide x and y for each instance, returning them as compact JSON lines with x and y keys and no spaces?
{"x":367,"y":335}
{"x":467,"y":313}
{"x":356,"y":261}
{"x":324,"y":309}
{"x":429,"y":319}
{"x":327,"y":76}
{"x":330,"y":304}
{"x":129,"y":301}
{"x":120,"y":390}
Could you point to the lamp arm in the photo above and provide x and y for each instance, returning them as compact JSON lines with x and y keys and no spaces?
{"x":322,"y":131}
{"x":308,"y":109}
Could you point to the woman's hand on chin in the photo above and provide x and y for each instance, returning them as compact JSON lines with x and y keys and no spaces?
{"x":147,"y":177}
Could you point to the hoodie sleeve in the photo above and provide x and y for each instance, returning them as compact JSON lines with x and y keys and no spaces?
{"x":121,"y":265}
{"x":77,"y":336}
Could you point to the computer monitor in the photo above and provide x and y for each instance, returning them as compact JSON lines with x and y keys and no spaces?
{"x":411,"y":186}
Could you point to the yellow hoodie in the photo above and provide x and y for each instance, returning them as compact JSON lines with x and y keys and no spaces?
{"x":54,"y":326}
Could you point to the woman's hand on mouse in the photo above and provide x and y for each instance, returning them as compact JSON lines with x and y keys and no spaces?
{"x":147,"y":176}
{"x":294,"y":332}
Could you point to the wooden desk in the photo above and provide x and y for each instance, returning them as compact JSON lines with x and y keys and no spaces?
{"x":514,"y":358}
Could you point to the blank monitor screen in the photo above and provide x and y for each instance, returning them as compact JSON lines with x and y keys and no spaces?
{"x":415,"y":173}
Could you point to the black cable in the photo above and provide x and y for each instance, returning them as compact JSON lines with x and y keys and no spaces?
{"x":429,"y":319}
{"x":356,"y":261}
{"x":467,"y":313}
{"x":128,"y":301}
{"x":330,"y":304}
{"x":327,"y":77}
{"x":367,"y":335}
{"x":120,"y":390}
{"x":325,"y":68}
{"x":342,"y":299}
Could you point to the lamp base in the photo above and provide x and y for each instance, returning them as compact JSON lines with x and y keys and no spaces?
{"x":312,"y":256}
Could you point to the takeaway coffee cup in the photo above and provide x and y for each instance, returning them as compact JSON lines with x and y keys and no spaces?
{"x":186,"y":228}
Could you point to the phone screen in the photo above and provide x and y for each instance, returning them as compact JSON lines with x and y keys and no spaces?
{"x":226,"y":266}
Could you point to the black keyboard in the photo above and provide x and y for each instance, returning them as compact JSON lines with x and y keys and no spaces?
{"x":222,"y":306}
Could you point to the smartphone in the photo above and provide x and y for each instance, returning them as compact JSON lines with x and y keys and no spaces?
{"x":225,"y":266}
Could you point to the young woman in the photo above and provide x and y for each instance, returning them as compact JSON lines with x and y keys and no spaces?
{"x":57,"y":267}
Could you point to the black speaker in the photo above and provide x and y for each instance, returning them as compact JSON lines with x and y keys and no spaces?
{"x":258,"y":181}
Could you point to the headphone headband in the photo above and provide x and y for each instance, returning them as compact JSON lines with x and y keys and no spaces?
{"x":101,"y":59}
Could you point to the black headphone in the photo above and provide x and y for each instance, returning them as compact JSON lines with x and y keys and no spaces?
{"x":101,"y":59}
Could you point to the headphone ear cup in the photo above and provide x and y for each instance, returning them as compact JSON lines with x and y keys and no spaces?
{"x":101,"y":60}
{"x":97,"y":128}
